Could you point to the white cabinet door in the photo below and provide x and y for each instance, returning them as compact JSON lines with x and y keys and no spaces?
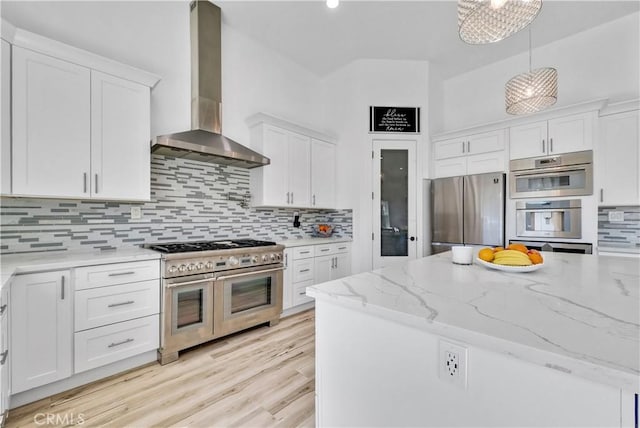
{"x":51,"y":126}
{"x":486,"y":142}
{"x":287,"y":282}
{"x":449,"y":148}
{"x":5,"y":109}
{"x":5,"y":358}
{"x":299,"y":171}
{"x":571,"y":134}
{"x":41,"y":329}
{"x":120,"y":155}
{"x":342,"y":265}
{"x":323,"y":174}
{"x":275,"y":175}
{"x":450,"y":167}
{"x":618,"y":159}
{"x":323,"y":269}
{"x":486,"y":162}
{"x":526,"y":141}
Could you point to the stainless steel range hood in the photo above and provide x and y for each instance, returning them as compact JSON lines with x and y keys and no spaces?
{"x":205,"y":142}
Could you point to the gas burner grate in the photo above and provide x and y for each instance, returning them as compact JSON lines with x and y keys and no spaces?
{"x":186,"y":247}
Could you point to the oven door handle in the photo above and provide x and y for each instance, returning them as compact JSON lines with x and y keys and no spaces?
{"x":259,"y":272}
{"x":548,"y":172}
{"x":180,"y":284}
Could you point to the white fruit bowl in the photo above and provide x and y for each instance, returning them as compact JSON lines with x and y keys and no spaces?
{"x":505,"y":268}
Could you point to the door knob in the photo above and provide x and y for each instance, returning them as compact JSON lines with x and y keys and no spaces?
{"x":412,"y":238}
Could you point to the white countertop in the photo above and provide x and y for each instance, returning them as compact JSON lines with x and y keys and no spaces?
{"x":13,"y":264}
{"x":579,"y":314}
{"x":311,"y":241}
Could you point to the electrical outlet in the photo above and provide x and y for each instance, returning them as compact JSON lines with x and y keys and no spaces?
{"x":452,"y":363}
{"x":616,"y":216}
{"x":136,"y":213}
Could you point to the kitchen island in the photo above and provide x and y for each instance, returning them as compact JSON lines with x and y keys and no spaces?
{"x":555,"y":347}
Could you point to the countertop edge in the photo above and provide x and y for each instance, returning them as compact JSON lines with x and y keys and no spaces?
{"x":573,"y":367}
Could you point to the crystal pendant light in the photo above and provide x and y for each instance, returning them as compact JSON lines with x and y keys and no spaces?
{"x":489,"y":21}
{"x":533,"y":91}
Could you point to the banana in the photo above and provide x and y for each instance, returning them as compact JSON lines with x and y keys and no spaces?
{"x":511,"y":258}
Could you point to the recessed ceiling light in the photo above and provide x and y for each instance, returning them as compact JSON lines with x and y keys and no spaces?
{"x":332,"y":4}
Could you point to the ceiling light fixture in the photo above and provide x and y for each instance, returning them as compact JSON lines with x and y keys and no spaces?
{"x":332,"y":4}
{"x":489,"y":21}
{"x":533,"y":91}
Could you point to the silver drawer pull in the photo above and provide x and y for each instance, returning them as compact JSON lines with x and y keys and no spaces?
{"x":325,"y":249}
{"x":3,"y":308}
{"x":5,"y":354}
{"x":305,"y":252}
{"x":304,"y":270}
{"x":342,"y":248}
{"x":302,"y":293}
{"x":122,"y":273}
{"x":120,"y":343}
{"x":113,"y":305}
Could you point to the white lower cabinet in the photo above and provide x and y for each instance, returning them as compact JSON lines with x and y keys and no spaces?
{"x":69,"y":321}
{"x":5,"y":381}
{"x":41,"y":329}
{"x":312,"y":264}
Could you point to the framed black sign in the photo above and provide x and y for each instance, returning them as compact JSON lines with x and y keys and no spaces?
{"x":394,"y":119}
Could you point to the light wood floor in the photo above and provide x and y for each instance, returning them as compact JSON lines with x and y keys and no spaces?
{"x":260,"y":378}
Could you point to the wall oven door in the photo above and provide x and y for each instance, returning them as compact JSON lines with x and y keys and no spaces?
{"x":549,"y":219}
{"x":188,"y":317}
{"x":247,"y":297}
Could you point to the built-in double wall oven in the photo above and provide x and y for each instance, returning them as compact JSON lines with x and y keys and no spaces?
{"x":540,"y":187}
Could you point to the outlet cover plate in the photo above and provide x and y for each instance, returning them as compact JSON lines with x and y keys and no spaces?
{"x":136,"y":213}
{"x":456,"y":371}
{"x":616,"y":216}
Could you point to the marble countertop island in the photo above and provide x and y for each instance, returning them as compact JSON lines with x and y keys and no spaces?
{"x":579,"y":314}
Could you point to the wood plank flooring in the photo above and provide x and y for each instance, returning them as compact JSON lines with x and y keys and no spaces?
{"x":263,"y":377}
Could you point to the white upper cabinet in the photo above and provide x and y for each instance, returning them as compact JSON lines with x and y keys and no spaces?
{"x":78,"y":131}
{"x":323,"y":174}
{"x":5,"y":109}
{"x":120,"y":135}
{"x":618,"y":159}
{"x":472,"y":154}
{"x":51,"y":126}
{"x":545,"y":138}
{"x":302,"y":169}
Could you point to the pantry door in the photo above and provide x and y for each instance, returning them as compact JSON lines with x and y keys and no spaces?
{"x":394,"y":201}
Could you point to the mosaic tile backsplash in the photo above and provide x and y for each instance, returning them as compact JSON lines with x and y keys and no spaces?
{"x":625,"y":234}
{"x":189,"y":201}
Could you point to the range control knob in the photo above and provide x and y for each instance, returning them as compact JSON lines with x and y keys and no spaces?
{"x":254,"y":259}
{"x":172,"y":269}
{"x":209,"y":265}
{"x":265,"y":258}
{"x":200,"y":266}
{"x":233,"y":261}
{"x":279,"y":256}
{"x":191,"y":267}
{"x":182,"y":268}
{"x":273,"y":257}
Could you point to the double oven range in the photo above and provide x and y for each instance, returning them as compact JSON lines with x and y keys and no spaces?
{"x":214,"y":288}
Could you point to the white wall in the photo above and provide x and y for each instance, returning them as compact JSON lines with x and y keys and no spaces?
{"x":348,"y":93}
{"x":603,"y":62}
{"x":154,"y":36}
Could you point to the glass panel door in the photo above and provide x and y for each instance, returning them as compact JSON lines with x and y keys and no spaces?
{"x":394,"y":209}
{"x":249,"y":294}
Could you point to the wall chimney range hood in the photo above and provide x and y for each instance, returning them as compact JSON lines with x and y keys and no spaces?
{"x":205,"y":142}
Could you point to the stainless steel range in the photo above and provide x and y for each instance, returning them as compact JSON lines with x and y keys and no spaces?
{"x":214,"y":288}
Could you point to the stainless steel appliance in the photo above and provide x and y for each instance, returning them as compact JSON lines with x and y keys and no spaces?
{"x":569,"y":174}
{"x":467,"y":210}
{"x":550,"y":219}
{"x":558,"y":247}
{"x":214,"y":288}
{"x":205,"y":142}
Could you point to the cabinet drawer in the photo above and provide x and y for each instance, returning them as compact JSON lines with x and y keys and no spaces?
{"x":116,"y":273}
{"x":96,"y":307}
{"x":342,"y":247}
{"x":328,"y":249}
{"x":303,"y":252}
{"x":299,"y":293}
{"x":104,"y":345}
{"x":302,"y":270}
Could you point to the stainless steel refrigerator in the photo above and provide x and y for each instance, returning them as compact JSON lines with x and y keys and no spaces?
{"x":467,"y":210}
